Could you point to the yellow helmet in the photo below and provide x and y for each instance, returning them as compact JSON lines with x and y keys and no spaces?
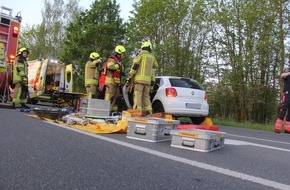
{"x":94,"y":55}
{"x":21,"y":50}
{"x":120,"y":49}
{"x":146,"y":44}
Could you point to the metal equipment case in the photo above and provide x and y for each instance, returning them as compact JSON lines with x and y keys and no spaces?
{"x":94,"y":107}
{"x":197,"y":140}
{"x":150,"y":129}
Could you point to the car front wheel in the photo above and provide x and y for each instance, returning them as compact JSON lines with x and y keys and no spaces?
{"x":197,"y":120}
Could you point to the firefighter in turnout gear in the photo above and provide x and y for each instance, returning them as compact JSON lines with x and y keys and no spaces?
{"x":92,"y":75}
{"x":285,"y":105}
{"x":113,"y":69}
{"x":20,"y":78}
{"x":141,"y":73}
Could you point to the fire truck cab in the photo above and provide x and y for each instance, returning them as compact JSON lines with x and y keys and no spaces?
{"x":9,"y":33}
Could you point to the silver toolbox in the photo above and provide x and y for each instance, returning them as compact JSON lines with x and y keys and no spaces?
{"x":150,"y":129}
{"x":94,"y":107}
{"x":197,"y":140}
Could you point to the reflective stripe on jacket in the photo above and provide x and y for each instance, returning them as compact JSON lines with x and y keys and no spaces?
{"x":20,"y":69}
{"x":92,"y":72}
{"x":147,"y":62}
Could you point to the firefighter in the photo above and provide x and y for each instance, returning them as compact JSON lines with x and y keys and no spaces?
{"x":20,"y":78}
{"x":285,"y":105}
{"x":92,"y":75}
{"x":141,"y":73}
{"x":113,"y":69}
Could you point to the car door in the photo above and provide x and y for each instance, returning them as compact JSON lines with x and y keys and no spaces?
{"x":155,"y":88}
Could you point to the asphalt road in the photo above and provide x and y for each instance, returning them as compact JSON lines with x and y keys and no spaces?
{"x":38,"y":155}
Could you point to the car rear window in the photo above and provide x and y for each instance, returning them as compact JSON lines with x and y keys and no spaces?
{"x":185,"y":83}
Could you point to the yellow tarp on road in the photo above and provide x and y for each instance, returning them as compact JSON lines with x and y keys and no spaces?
{"x":106,"y":128}
{"x":100,"y":128}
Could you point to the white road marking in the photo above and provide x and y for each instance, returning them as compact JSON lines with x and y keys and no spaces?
{"x":281,"y":142}
{"x":193,"y":163}
{"x":236,"y":142}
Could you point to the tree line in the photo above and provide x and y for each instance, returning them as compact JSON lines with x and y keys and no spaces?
{"x":243,"y":44}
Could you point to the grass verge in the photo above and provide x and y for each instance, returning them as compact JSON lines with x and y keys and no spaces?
{"x":246,"y":125}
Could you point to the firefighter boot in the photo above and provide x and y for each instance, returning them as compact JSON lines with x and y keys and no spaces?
{"x":287,"y":127}
{"x":278,"y":125}
{"x":24,"y":106}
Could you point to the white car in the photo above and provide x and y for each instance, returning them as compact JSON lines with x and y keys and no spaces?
{"x":180,"y":97}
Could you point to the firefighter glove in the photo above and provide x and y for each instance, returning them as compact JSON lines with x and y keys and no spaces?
{"x":128,"y":81}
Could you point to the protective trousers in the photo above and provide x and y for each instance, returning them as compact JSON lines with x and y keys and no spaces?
{"x":285,"y":107}
{"x":282,"y":112}
{"x":91,"y":91}
{"x":112,"y":93}
{"x":142,"y":98}
{"x":21,"y":93}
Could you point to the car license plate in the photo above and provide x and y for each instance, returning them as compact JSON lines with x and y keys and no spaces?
{"x":193,"y":106}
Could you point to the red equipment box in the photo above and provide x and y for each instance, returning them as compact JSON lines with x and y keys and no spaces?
{"x":202,"y":127}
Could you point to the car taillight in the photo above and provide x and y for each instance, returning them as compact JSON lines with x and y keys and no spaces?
{"x":170,"y":92}
{"x":15,"y":31}
{"x":205,"y":96}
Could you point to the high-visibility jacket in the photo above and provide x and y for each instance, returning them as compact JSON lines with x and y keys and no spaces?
{"x":20,"y":71}
{"x":113,"y":69}
{"x":92,"y":72}
{"x":142,"y":68}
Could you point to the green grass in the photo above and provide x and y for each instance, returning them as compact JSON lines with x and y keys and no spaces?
{"x":245,"y":125}
{"x":232,"y":123}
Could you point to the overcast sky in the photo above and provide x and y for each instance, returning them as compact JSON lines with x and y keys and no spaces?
{"x":31,"y":9}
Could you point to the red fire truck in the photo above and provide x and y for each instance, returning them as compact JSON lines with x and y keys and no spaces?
{"x":9,"y":33}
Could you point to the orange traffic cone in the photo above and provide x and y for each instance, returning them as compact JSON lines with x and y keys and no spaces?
{"x":278,"y":125}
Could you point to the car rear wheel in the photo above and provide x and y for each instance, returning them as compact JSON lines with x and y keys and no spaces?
{"x":157,"y":107}
{"x":197,"y":120}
